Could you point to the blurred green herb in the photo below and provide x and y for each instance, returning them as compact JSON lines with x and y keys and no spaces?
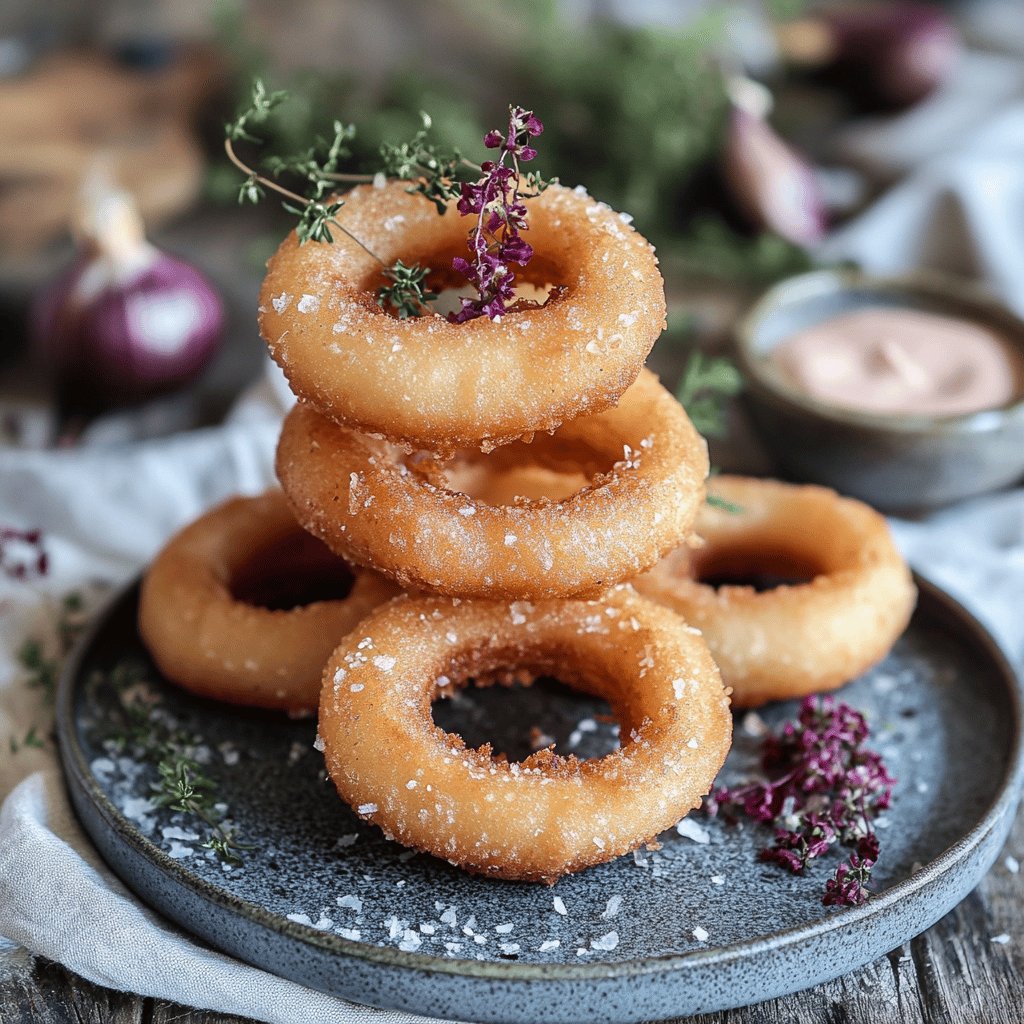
{"x":707,"y":384}
{"x":631,"y":112}
{"x":42,"y":668}
{"x":712,"y":250}
{"x":31,"y":739}
{"x":715,"y":501}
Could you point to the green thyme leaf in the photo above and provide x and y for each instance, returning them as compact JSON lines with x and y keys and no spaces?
{"x":406,"y":295}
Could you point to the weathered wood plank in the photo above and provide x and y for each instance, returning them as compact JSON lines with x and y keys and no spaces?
{"x":172,"y":1013}
{"x":46,"y":993}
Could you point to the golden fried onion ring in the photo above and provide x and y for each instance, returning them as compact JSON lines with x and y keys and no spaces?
{"x":363,"y":500}
{"x":548,"y":815}
{"x":794,"y":639}
{"x":216,"y":644}
{"x":428,"y":384}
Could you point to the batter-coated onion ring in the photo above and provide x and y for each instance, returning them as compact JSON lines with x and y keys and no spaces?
{"x":210,"y":641}
{"x":361,"y":498}
{"x":428,"y":384}
{"x":794,"y":639}
{"x":548,"y":815}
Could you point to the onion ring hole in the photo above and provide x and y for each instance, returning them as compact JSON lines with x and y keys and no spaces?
{"x":518,"y":718}
{"x":546,"y":469}
{"x":761,"y":569}
{"x":291,"y":572}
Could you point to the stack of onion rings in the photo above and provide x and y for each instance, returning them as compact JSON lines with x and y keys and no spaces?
{"x":425,"y":383}
{"x":366,"y":503}
{"x":793,"y":639}
{"x":517,"y":466}
{"x":548,"y":815}
{"x":212,"y":641}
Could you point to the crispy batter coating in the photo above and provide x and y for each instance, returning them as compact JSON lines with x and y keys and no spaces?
{"x":646,"y":467}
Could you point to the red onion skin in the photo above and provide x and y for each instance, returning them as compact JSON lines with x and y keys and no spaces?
{"x":107,"y":352}
{"x":893,"y":55}
{"x":755,"y":163}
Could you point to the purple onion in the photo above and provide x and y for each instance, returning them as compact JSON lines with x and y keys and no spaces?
{"x":771,"y":184}
{"x":884,"y":55}
{"x":127,"y":321}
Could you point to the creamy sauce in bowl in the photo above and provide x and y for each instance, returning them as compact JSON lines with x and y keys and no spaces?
{"x":903,"y":362}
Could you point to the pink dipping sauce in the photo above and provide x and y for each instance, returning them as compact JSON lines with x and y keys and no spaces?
{"x":905,"y":362}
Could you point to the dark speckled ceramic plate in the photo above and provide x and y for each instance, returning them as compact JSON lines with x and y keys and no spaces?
{"x":699,"y":925}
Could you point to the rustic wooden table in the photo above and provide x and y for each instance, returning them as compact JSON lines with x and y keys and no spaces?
{"x":967,"y":969}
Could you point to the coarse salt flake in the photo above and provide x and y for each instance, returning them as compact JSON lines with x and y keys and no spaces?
{"x":612,"y":907}
{"x":559,"y":905}
{"x":385,"y":662}
{"x":689,"y":829}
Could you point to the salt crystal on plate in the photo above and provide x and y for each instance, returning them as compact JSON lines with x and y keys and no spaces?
{"x":612,"y":907}
{"x":689,"y":829}
{"x":559,"y":904}
{"x":700,"y":934}
{"x":607,"y":941}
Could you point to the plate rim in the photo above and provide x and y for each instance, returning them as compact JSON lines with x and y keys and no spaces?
{"x":1007,"y":795}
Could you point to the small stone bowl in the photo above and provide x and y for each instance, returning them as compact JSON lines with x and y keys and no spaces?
{"x":906,"y":464}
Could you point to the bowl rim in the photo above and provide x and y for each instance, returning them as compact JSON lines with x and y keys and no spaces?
{"x":930,"y":284}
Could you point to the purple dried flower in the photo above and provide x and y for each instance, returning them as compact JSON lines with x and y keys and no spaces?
{"x":824,"y":788}
{"x":23,"y":555}
{"x":496,"y":201}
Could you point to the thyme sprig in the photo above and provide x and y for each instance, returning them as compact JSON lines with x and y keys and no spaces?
{"x":142,"y":728}
{"x":317,"y":210}
{"x":491,"y":192}
{"x":704,"y":391}
{"x":434,"y":172}
{"x":407,"y":292}
{"x":41,"y":665}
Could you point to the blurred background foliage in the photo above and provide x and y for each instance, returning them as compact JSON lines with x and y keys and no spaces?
{"x":637,"y":114}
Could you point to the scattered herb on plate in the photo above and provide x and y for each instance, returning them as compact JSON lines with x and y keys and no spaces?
{"x":143,"y":729}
